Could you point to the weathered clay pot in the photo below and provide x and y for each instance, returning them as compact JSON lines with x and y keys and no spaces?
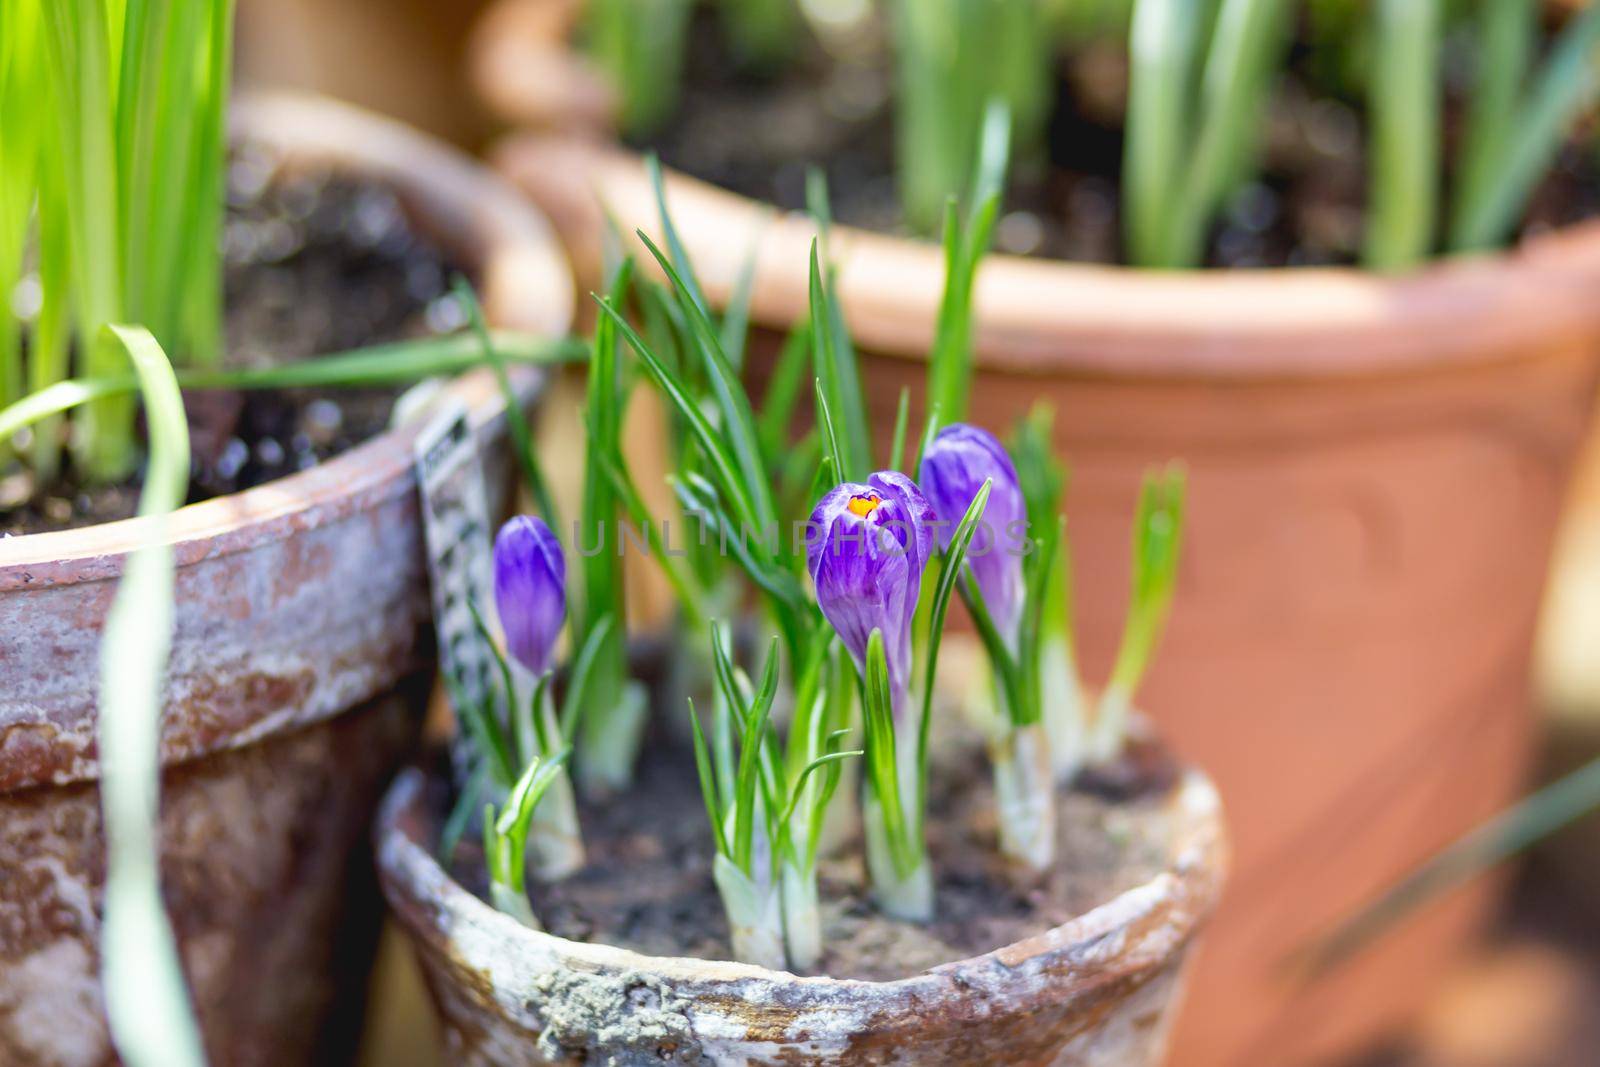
{"x":1099,"y":991}
{"x":301,"y":606}
{"x":1376,"y":469}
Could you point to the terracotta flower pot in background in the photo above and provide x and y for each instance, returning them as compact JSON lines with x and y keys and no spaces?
{"x":300,"y":609}
{"x":1098,"y":991}
{"x":1376,"y":470}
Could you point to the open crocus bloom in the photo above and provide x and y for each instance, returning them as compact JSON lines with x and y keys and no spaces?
{"x":530,"y":590}
{"x":867,"y":547}
{"x":954,"y":467}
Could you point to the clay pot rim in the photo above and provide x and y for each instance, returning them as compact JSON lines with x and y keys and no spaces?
{"x":1056,"y":318}
{"x":1134,"y":932}
{"x":460,"y":203}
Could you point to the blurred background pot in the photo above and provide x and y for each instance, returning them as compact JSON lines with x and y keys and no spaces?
{"x":297,"y":672}
{"x":1377,"y":466}
{"x":1099,"y":990}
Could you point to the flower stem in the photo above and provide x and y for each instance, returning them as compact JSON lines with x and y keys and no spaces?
{"x":1405,"y":103}
{"x":1025,"y":796}
{"x":610,"y":743}
{"x":802,"y":922}
{"x":1110,"y":731}
{"x":755,"y":914}
{"x":513,"y":902}
{"x":1065,"y":711}
{"x":555,"y":839}
{"x":842,"y":823}
{"x":902,"y":891}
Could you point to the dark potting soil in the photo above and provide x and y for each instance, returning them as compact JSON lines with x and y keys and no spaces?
{"x":757,"y":134}
{"x":648,"y":886}
{"x":315,"y":263}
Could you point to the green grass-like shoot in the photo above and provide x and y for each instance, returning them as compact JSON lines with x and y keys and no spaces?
{"x":505,"y":836}
{"x":147,"y":1000}
{"x":1405,"y":100}
{"x":1515,"y":131}
{"x":1157,"y":538}
{"x":953,"y":60}
{"x":639,"y":45}
{"x":136,"y":98}
{"x":1186,"y":151}
{"x":762,"y":34}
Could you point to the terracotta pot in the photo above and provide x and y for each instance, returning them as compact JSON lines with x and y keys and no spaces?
{"x":1377,"y":466}
{"x":401,"y":58}
{"x":1099,"y":990}
{"x":301,"y":606}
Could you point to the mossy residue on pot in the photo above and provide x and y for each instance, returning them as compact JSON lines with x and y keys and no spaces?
{"x":624,"y":1018}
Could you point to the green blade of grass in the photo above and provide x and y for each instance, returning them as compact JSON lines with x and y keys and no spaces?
{"x":1404,"y":101}
{"x":147,"y":1002}
{"x":830,"y":384}
{"x":831,"y":445}
{"x":1157,"y":538}
{"x":487,"y":734}
{"x":23,"y":86}
{"x":157,"y":250}
{"x":49,"y":354}
{"x":751,"y":740}
{"x":883,"y":765}
{"x":508,"y":714}
{"x":584,"y":665}
{"x":761,"y":33}
{"x":902,"y":417}
{"x":690,"y":596}
{"x":783,"y":392}
{"x":202,"y":222}
{"x":844,"y":373}
{"x":954,"y":560}
{"x":639,"y":45}
{"x":709,"y":791}
{"x":516,"y":818}
{"x":516,"y":419}
{"x":1037,"y":600}
{"x":950,"y":361}
{"x":455,"y":825}
{"x":80,"y":35}
{"x":1163,"y":52}
{"x":733,"y":405}
{"x":1550,"y":809}
{"x":735,"y":332}
{"x":1505,"y":33}
{"x":1569,"y":84}
{"x":682,"y":265}
{"x":1233,"y":94}
{"x":725,"y":466}
{"x":388,"y":364}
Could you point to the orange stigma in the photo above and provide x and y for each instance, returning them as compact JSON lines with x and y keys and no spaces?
{"x":863,"y":506}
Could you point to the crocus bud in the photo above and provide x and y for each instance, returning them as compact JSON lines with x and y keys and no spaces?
{"x":866,"y":549}
{"x":530,"y":590}
{"x":954,"y":467}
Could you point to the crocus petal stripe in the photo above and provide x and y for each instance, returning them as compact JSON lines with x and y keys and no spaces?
{"x":954,"y":467}
{"x":866,"y":550}
{"x":530,"y":590}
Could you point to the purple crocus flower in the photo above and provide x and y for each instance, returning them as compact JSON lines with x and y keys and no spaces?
{"x":530,"y":590}
{"x":954,"y":467}
{"x":866,"y":549}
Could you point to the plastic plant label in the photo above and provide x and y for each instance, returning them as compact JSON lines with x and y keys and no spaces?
{"x":455,"y":521}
